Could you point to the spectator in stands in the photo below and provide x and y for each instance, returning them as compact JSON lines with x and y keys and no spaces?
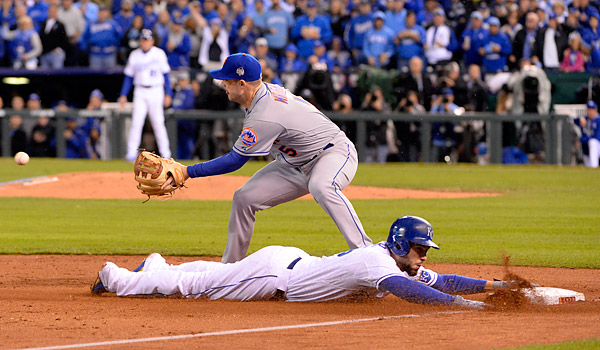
{"x":161,"y":27}
{"x":408,"y":141}
{"x":494,"y":49}
{"x":425,"y":17}
{"x":558,"y":8}
{"x":340,"y":57}
{"x":262,"y":52}
{"x":550,"y":44}
{"x":18,"y":137}
{"x":416,"y":80}
{"x":177,"y":45}
{"x":25,"y":45}
{"x":574,"y":59}
{"x":234,"y":19}
{"x":210,"y":10}
{"x":572,"y":22}
{"x":377,"y":149}
{"x":149,"y":17}
{"x":593,"y":64}
{"x":268,"y":74}
{"x":477,"y":90}
{"x":584,"y":11}
{"x":42,"y":135}
{"x":17,"y":103}
{"x":450,"y":77}
{"x":443,"y":136}
{"x":338,"y":16}
{"x":101,"y":39}
{"x":310,"y":28}
{"x":437,"y":40}
{"x":395,"y":16}
{"x":186,"y":128}
{"x":7,"y":13}
{"x":130,"y":40}
{"x":246,"y":36}
{"x":524,"y":41}
{"x":55,"y":42}
{"x":76,"y":139}
{"x":357,"y":29}
{"x":74,"y":23}
{"x":379,"y":42}
{"x":92,"y":125}
{"x":89,"y":9}
{"x":472,"y":39}
{"x":215,"y":45}
{"x":591,"y":35}
{"x":512,"y":27}
{"x":260,"y":17}
{"x":124,"y":19}
{"x":38,"y":12}
{"x":409,"y":42}
{"x":180,"y":11}
{"x":320,"y":56}
{"x":291,"y":62}
{"x":590,"y":135}
{"x":278,"y":24}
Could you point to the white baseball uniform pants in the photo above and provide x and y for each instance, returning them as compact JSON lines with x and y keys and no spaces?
{"x":257,"y":277}
{"x":148,"y":101}
{"x":325,"y":177}
{"x":591,"y":160}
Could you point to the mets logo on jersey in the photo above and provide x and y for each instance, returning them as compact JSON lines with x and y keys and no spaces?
{"x":248,"y":137}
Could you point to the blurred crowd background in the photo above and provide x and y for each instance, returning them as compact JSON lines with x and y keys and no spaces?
{"x":409,"y":56}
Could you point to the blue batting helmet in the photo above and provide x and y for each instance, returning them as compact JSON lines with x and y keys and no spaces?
{"x":409,"y":229}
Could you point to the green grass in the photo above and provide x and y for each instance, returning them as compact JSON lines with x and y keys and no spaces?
{"x":589,"y":344}
{"x":546,"y":216}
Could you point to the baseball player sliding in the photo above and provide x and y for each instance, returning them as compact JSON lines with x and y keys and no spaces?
{"x":312,"y":156}
{"x":148,"y":69}
{"x":392,"y":266}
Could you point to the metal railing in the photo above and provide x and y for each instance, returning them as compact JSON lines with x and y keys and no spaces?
{"x":557,"y":129}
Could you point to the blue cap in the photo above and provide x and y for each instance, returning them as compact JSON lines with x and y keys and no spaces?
{"x":318,"y":43}
{"x":440,"y":12}
{"x":447,"y":91}
{"x":591,"y":104}
{"x":97,"y":93}
{"x":493,"y":21}
{"x":552,"y":15}
{"x":178,"y":20}
{"x":35,"y":97}
{"x":476,"y":14}
{"x":379,"y":15}
{"x":311,"y":3}
{"x":215,"y":20}
{"x":146,"y":34}
{"x":291,"y":47}
{"x":240,"y":66}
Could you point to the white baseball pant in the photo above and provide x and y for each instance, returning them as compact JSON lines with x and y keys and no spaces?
{"x":591,"y":160}
{"x":148,"y":101}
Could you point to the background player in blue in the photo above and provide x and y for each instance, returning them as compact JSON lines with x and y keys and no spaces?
{"x":590,"y":135}
{"x":392,"y":266}
{"x":312,"y":156}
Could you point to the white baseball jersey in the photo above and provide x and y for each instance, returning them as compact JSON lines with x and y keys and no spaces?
{"x":147,"y":68}
{"x":261,"y":274}
{"x":278,"y":122}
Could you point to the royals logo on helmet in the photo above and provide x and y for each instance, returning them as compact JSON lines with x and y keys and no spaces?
{"x":248,"y":137}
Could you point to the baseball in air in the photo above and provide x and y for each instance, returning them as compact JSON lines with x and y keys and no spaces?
{"x":21,"y":158}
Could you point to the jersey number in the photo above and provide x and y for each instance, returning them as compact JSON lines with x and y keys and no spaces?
{"x":289,"y":151}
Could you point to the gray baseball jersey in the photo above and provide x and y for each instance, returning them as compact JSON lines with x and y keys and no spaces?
{"x":292,"y":130}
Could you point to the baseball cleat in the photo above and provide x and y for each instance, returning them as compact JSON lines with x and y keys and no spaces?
{"x":98,"y":287}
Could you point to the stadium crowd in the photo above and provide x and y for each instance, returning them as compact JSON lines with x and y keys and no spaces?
{"x":449,"y":56}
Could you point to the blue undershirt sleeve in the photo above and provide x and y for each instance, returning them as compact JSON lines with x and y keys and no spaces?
{"x":415,"y":292}
{"x":127,"y":84}
{"x":459,"y":284}
{"x":168,"y":90}
{"x":226,"y":163}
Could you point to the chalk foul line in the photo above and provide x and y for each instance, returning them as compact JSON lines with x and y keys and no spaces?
{"x":243,"y":331}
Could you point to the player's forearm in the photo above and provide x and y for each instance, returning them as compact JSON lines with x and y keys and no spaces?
{"x":227,"y":163}
{"x":460,"y":284}
{"x":415,"y":292}
{"x":127,"y":84}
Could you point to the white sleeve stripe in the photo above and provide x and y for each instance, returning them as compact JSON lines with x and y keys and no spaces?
{"x":250,"y":153}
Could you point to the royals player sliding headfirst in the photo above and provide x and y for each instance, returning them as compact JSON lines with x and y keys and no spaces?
{"x":148,"y":69}
{"x":393,"y":266}
{"x":312,"y":156}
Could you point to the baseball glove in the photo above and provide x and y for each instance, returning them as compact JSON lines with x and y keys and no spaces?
{"x":152,"y":172}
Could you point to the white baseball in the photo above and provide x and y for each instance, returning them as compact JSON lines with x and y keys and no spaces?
{"x":21,"y":158}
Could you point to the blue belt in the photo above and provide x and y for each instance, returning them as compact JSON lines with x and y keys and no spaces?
{"x":293,"y":263}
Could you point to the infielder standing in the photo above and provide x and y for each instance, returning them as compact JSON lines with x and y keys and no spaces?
{"x":393,"y":266}
{"x":312,"y":156}
{"x":148,"y":69}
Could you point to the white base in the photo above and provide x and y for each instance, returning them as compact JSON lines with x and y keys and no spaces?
{"x":552,"y":296}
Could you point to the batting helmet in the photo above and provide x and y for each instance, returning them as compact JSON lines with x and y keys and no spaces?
{"x":409,"y":229}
